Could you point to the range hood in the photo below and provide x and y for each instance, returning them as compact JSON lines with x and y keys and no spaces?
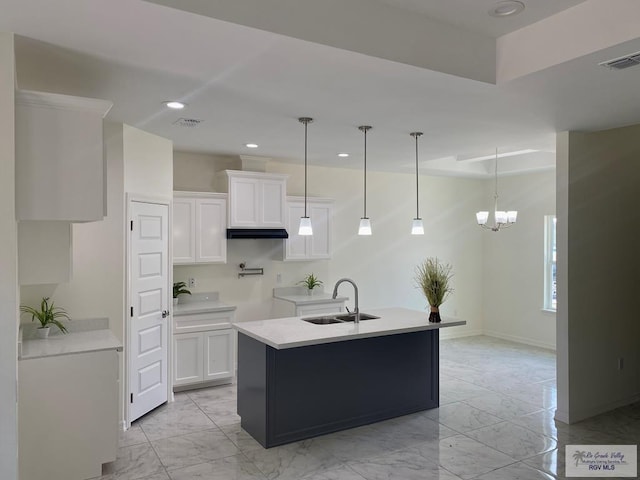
{"x":257,"y":233}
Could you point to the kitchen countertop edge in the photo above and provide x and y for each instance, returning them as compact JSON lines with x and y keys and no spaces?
{"x":292,"y":332}
{"x":70,"y":344}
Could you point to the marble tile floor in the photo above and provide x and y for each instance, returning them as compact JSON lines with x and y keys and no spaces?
{"x":495,"y":422}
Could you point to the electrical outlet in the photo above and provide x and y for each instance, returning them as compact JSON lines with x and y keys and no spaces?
{"x":192,"y":282}
{"x":620,"y":363}
{"x":278,"y":278}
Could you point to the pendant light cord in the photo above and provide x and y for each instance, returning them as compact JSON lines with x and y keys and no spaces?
{"x":496,"y":177}
{"x":416,"y":135}
{"x":365,"y":173}
{"x":305,"y":168}
{"x":417,"y":183}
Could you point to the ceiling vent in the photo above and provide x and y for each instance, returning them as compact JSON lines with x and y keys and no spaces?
{"x":621,"y":63}
{"x":187,"y":122}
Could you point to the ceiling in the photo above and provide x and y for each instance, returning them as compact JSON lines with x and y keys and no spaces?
{"x":250,"y":72}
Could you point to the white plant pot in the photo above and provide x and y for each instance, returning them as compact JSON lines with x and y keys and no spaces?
{"x":43,"y":332}
{"x":309,"y":291}
{"x":175,"y":301}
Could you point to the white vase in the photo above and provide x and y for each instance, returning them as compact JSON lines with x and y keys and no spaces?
{"x":309,"y":291}
{"x":175,"y":301}
{"x":43,"y":332}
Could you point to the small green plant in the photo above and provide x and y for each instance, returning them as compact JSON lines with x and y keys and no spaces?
{"x":311,"y":281}
{"x":47,"y":315}
{"x":434,"y":279}
{"x":180,"y":288}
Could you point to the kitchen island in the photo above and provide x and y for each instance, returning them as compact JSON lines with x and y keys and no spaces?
{"x":297,"y":380}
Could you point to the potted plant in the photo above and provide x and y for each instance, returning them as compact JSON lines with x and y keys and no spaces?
{"x":434,"y":279}
{"x":311,"y":281}
{"x":47,"y":315}
{"x":179,"y":288}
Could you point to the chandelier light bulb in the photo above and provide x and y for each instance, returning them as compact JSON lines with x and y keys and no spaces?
{"x":482,"y":217}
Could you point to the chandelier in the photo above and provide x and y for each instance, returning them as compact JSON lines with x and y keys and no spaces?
{"x":501,"y":218}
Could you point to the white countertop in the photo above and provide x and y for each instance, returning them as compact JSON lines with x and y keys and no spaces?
{"x":205,"y":302}
{"x":201,"y":307}
{"x":299,"y":296}
{"x":71,"y":343}
{"x":281,"y":333}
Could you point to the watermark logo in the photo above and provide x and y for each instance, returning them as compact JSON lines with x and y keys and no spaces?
{"x":601,"y":461}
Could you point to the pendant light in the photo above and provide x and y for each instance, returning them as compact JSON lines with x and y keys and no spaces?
{"x":501,"y":219}
{"x":365,"y":223}
{"x":417,"y":228}
{"x":305,"y":222}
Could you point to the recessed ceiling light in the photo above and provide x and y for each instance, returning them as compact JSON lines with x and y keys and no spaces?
{"x":343,"y":155}
{"x":251,"y":145}
{"x":175,"y":105}
{"x":506,"y":9}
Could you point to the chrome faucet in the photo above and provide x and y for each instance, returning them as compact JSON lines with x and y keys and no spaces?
{"x":355,"y":288}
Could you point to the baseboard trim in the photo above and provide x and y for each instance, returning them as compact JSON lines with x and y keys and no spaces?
{"x":602,"y":408}
{"x":448,"y":333}
{"x":517,"y":339}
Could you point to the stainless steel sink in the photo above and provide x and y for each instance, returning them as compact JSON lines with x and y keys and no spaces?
{"x":342,"y":318}
{"x":322,"y":320}
{"x":350,"y":317}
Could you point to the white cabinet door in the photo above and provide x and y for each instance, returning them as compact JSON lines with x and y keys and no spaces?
{"x":256,"y":199}
{"x":295,"y":245}
{"x":187,"y":358}
{"x":312,"y":247}
{"x":244,"y":197}
{"x":184,"y":226}
{"x":219,"y":354}
{"x":320,"y":242}
{"x":211,"y":224}
{"x":272,"y":208}
{"x":67,"y":415}
{"x":60,"y":169}
{"x":199,"y":228}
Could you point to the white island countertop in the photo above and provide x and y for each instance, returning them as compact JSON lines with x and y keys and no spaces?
{"x":291,"y":332}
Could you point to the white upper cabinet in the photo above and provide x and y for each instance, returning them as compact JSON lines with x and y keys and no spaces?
{"x":60,"y":168}
{"x":311,"y":247}
{"x":199,"y":228}
{"x":256,"y":199}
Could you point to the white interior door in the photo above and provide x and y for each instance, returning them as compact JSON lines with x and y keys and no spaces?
{"x":149,"y":316}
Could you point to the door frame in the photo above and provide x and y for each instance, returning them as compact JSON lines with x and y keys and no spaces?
{"x":168,"y":201}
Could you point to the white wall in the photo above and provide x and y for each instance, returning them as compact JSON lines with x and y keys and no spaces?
{"x":514,"y":262}
{"x":382,"y":265}
{"x":9,"y":299}
{"x":600,"y":231}
{"x":148,"y":163}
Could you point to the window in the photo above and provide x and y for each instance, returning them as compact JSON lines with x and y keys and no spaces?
{"x":550,"y":296}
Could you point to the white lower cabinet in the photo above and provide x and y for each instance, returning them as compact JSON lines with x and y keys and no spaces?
{"x":68,"y":415}
{"x":188,"y":358}
{"x":218,"y":354}
{"x":203,"y":349}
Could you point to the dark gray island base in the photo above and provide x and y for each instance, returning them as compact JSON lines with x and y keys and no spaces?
{"x":291,"y":394}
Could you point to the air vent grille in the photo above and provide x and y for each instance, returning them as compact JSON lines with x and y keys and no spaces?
{"x":187,"y":122}
{"x":621,"y":63}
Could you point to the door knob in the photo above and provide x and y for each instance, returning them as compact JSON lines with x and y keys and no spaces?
{"x":165,"y":313}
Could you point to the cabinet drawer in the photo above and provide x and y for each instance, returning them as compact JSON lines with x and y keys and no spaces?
{"x":199,"y":322}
